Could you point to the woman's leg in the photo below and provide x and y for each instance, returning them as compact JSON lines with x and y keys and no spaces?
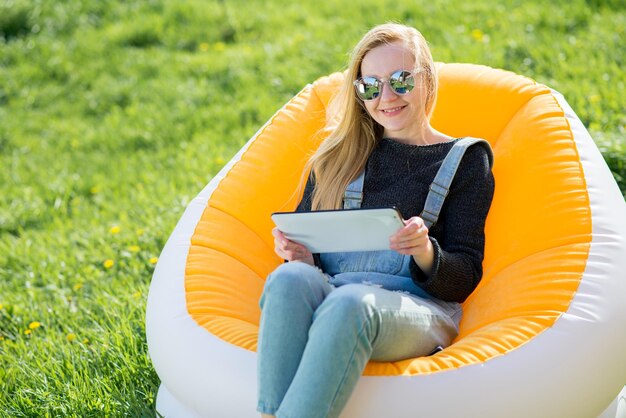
{"x":355,"y":323}
{"x":292,"y":294}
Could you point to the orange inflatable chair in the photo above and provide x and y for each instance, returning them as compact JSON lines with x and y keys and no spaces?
{"x":542,"y":336}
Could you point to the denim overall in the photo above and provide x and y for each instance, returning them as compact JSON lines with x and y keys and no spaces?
{"x":317,"y":335}
{"x":389,"y":269}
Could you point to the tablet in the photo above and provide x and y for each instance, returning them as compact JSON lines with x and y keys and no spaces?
{"x":329,"y":231}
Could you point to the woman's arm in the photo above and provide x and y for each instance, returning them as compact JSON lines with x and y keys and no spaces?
{"x":458,"y":239}
{"x":292,"y":251}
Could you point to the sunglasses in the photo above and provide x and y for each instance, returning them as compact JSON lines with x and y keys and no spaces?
{"x":369,"y":87}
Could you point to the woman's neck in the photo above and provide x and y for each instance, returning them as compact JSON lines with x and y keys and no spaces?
{"x":423,"y":135}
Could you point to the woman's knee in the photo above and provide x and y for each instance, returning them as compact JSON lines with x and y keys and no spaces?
{"x":350,"y":301}
{"x":294,"y":278}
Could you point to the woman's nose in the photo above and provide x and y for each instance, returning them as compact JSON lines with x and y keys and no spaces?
{"x":387,"y":93}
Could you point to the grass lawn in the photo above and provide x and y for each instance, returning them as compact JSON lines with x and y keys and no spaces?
{"x":114,"y":115}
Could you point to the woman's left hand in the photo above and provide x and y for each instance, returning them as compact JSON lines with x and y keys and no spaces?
{"x":412,"y":239}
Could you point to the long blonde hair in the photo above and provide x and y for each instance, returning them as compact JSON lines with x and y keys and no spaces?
{"x":344,"y":153}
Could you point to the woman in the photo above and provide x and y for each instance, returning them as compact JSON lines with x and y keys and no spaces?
{"x":324,"y":316}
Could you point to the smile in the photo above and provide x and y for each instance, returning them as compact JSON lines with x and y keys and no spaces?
{"x":395,"y":109}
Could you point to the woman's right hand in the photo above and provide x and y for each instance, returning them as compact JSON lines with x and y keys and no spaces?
{"x":289,"y":250}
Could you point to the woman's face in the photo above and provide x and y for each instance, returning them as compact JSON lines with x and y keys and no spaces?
{"x":401,"y":116}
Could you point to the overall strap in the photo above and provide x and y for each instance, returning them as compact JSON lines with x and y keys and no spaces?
{"x":353,"y":196}
{"x":440,"y":186}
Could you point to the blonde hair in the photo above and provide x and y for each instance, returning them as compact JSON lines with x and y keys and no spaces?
{"x":343,"y":155}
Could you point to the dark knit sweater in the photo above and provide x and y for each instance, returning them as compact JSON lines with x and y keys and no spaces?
{"x":399,"y":175}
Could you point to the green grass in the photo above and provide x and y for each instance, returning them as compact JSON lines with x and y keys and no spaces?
{"x":113,"y":115}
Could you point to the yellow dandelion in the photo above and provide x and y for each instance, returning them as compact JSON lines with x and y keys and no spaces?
{"x":137,"y":294}
{"x":95,"y":189}
{"x":115,"y":230}
{"x":219,"y":46}
{"x":27,"y":332}
{"x":86,"y":341}
{"x":134,"y":248}
{"x":34,"y":325}
{"x":77,"y":286}
{"x":477,"y":34}
{"x":1,"y":306}
{"x":219,"y":161}
{"x":140,"y":231}
{"x":108,"y":263}
{"x":70,"y":337}
{"x":204,"y":47}
{"x":153,"y":260}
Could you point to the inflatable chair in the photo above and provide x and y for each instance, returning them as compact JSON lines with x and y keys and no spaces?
{"x":542,"y":336}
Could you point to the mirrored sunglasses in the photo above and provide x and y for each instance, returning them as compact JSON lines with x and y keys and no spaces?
{"x":369,"y":88}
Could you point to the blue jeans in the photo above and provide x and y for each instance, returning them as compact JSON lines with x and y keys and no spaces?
{"x":318,"y":331}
